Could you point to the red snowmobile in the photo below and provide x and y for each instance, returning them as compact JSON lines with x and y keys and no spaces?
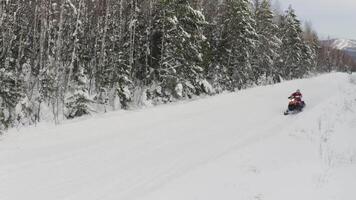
{"x":295,"y":104}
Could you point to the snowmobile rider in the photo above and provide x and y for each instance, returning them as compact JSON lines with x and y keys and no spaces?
{"x":297,"y":95}
{"x":296,"y":104}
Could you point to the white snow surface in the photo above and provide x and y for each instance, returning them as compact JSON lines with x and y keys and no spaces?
{"x":230,"y":146}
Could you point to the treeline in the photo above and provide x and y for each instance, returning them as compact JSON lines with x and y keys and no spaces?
{"x":68,"y":58}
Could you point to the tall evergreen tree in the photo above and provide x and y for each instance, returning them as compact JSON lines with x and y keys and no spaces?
{"x":180,"y":72}
{"x":211,"y":63}
{"x":77,"y":100}
{"x":291,"y":53}
{"x":237,"y":43}
{"x":312,"y":40}
{"x":268,"y":44}
{"x":123,"y":37}
{"x":11,"y":84}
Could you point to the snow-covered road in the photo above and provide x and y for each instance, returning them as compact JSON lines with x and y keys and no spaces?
{"x":231,"y":146}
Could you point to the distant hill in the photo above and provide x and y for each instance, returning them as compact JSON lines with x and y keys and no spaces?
{"x":346,"y":45}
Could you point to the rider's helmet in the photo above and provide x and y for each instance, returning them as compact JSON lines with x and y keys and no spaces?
{"x":298,"y":90}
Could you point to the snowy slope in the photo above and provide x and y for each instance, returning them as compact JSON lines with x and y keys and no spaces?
{"x":232,"y":146}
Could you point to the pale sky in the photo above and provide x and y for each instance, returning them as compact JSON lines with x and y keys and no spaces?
{"x":334,"y":18}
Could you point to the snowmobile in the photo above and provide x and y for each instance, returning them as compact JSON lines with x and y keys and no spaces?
{"x":294,"y":106}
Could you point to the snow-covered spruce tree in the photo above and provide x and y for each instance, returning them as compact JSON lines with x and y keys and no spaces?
{"x":27,"y":108}
{"x":119,"y":68}
{"x":93,"y":53}
{"x":136,"y":52}
{"x":267,"y":46}
{"x":307,"y":62}
{"x":77,"y":101}
{"x":312,"y":40}
{"x":42,"y":56}
{"x":163,"y":76}
{"x":11,"y":53}
{"x":180,"y":28}
{"x":211,"y":63}
{"x":191,"y":24}
{"x":89,"y":49}
{"x":292,"y":50}
{"x":11,"y":93}
{"x":56,"y":54}
{"x":237,"y":43}
{"x":115,"y":49}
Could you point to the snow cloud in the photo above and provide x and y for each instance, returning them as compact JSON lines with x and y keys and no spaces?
{"x":331,"y":18}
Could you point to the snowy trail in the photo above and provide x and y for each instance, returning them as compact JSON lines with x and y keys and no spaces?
{"x":231,"y":146}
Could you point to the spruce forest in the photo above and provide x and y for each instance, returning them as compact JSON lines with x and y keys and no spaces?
{"x":62,"y":59}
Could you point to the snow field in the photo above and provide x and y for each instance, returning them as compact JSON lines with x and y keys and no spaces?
{"x":231,"y":146}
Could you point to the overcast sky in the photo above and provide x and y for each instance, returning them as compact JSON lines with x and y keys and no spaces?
{"x":334,"y":18}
